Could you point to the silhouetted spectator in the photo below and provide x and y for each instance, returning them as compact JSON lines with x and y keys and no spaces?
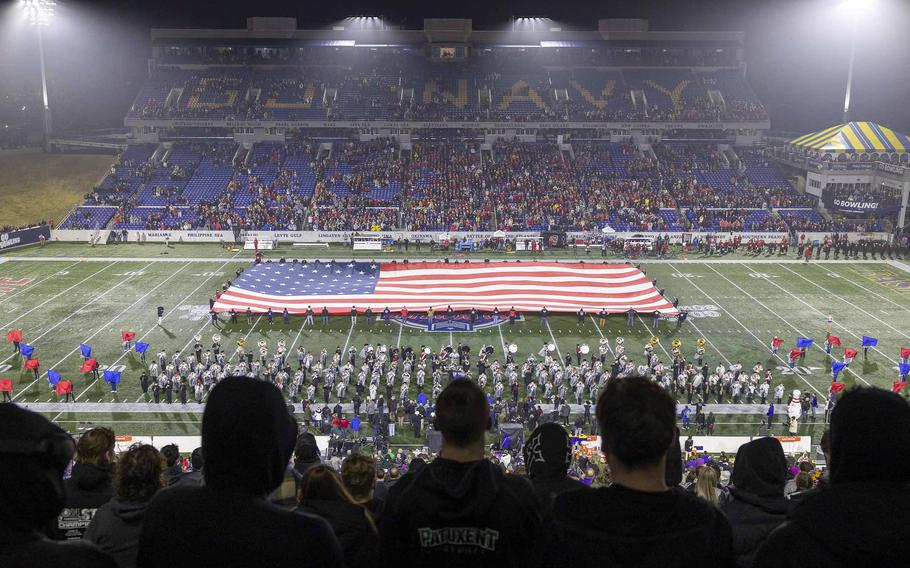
{"x":247,"y":439}
{"x":90,"y":485}
{"x":460,"y":509}
{"x":547,"y":457}
{"x":638,"y":520}
{"x":859,"y":518}
{"x":756,"y":505}
{"x":117,"y":524}
{"x":33,"y":456}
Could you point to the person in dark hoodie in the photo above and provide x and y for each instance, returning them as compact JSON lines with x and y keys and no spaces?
{"x":756,"y":505}
{"x":89,"y":487}
{"x":322,"y":493}
{"x":247,"y":440}
{"x":34,"y":453}
{"x":116,"y":526}
{"x":638,"y":520}
{"x":547,"y":457}
{"x":460,"y":509}
{"x":306,"y":455}
{"x":859,"y":518}
{"x":192,"y":478}
{"x":173,"y":471}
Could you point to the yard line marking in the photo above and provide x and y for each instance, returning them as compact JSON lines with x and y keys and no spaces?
{"x":602,"y":336}
{"x":893,"y":303}
{"x":749,"y":331}
{"x":662,"y":348}
{"x":348,"y":340}
{"x":781,"y":318}
{"x":296,"y":337}
{"x":400,"y":329}
{"x":451,"y":339}
{"x":822,"y":313}
{"x":819,"y":286}
{"x":561,"y":362}
{"x":255,"y":323}
{"x":33,"y":284}
{"x":104,"y":327}
{"x":55,"y":296}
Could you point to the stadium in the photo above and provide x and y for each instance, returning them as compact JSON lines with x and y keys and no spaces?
{"x":389,"y":254}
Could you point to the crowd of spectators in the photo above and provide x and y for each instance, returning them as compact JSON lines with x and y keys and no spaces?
{"x":647,"y":500}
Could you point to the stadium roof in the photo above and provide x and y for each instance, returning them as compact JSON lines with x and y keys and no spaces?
{"x":854,"y":137}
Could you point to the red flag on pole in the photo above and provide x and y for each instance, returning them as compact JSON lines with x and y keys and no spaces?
{"x":777,"y":342}
{"x":128,"y":336}
{"x":837,"y":386}
{"x":794,"y":354}
{"x":89,"y":365}
{"x":31,"y":364}
{"x":898,"y":386}
{"x":849,"y":353}
{"x":905,"y":352}
{"x":64,"y":387}
{"x":14,"y":335}
{"x":833,"y":340}
{"x":6,"y":385}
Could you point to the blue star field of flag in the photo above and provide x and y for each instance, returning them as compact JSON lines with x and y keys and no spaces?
{"x":313,"y":279}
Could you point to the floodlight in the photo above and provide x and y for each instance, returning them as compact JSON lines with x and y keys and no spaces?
{"x":39,"y":12}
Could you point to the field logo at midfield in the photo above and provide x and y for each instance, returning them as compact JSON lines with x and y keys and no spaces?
{"x":8,"y":284}
{"x":890,"y":279}
{"x":460,"y":322}
{"x":702,"y":311}
{"x":193,"y":313}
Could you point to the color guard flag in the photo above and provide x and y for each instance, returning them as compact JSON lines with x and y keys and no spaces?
{"x":27,"y":350}
{"x":836,"y":368}
{"x":837,"y":387}
{"x":112,"y":376}
{"x":128,"y":335}
{"x":86,"y":350}
{"x":89,"y":365}
{"x":897,"y":386}
{"x":849,"y":353}
{"x":14,"y":336}
{"x":53,"y":377}
{"x":64,"y":387}
{"x":141,"y":347}
{"x":803,"y":342}
{"x":869,"y":341}
{"x":6,"y":385}
{"x":777,"y":342}
{"x":905,"y":352}
{"x":904,"y":369}
{"x":31,"y":364}
{"x":833,"y":340}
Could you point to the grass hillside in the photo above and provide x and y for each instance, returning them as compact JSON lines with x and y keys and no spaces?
{"x":37,"y":186}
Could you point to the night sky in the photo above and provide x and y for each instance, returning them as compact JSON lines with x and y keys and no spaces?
{"x":796,"y":50}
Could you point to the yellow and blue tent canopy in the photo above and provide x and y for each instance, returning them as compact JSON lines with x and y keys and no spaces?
{"x":854,"y":137}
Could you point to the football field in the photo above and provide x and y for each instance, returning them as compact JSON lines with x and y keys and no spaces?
{"x":61,"y":297}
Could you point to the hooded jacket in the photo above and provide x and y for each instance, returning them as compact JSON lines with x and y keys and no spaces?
{"x":756,"y":504}
{"x":32,"y":494}
{"x":625,"y":527}
{"x":861,"y":517}
{"x":247,"y":439}
{"x":547,"y":456}
{"x":115,"y":529}
{"x":88,"y":488}
{"x":357,"y":536}
{"x":460,"y":514}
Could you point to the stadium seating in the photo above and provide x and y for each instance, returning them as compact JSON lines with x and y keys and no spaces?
{"x":89,"y":217}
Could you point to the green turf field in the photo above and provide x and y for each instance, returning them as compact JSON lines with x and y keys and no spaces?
{"x":64,"y":295}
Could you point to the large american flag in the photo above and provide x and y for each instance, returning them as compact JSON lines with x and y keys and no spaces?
{"x":528,"y":286}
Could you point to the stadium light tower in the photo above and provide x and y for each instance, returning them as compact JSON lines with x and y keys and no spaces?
{"x":39,"y":14}
{"x":855,"y":10}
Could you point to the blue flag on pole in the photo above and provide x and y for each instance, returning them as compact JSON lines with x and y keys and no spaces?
{"x":26,"y":350}
{"x":86,"y":350}
{"x":421,"y":398}
{"x":112,"y":377}
{"x":53,"y":377}
{"x":836,"y":368}
{"x":803,"y":342}
{"x":904,"y":368}
{"x":141,"y":347}
{"x":869,"y":341}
